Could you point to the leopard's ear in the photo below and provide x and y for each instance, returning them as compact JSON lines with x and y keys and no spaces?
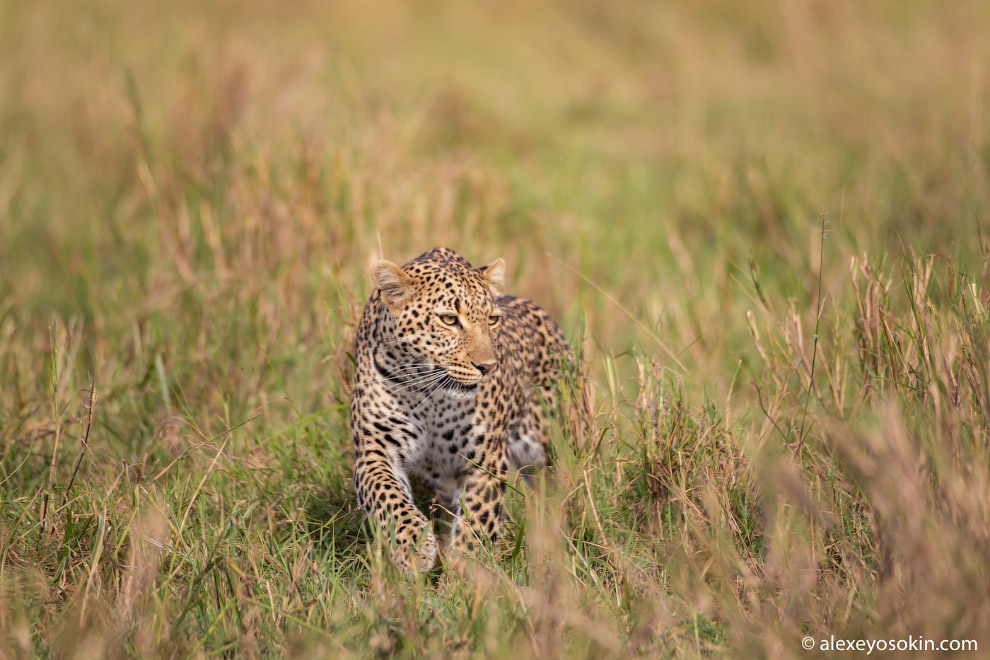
{"x":395,"y":286}
{"x":495,"y":274}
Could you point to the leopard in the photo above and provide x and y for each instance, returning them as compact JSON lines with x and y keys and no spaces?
{"x":453,"y":381}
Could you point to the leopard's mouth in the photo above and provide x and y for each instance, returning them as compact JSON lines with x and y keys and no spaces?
{"x":452,"y":384}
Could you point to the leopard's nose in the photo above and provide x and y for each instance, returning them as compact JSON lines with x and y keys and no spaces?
{"x":485,"y":367}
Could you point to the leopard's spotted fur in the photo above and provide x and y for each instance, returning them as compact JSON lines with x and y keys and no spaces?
{"x":449,"y":380}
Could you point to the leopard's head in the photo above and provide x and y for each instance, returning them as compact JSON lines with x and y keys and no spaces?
{"x":445,"y":315}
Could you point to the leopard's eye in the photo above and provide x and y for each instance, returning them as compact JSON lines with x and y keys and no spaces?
{"x":448,"y":319}
{"x":494,"y":319}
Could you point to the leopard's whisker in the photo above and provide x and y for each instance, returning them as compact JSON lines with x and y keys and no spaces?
{"x":423,"y":388}
{"x":413,"y":367}
{"x":403,"y":373}
{"x":416,"y":387}
{"x":447,"y":385}
{"x":416,"y":384}
{"x":435,"y":389}
{"x":411,"y":379}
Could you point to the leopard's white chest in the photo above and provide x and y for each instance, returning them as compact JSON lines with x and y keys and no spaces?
{"x":447,"y":444}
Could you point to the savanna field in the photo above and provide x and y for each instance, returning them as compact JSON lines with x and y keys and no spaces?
{"x":764,"y":227}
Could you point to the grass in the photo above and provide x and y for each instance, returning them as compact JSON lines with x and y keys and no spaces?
{"x":763,"y":228}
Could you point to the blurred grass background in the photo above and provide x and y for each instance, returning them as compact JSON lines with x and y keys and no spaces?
{"x":770,"y":435}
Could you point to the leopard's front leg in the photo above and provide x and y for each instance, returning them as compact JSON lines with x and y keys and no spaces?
{"x":383,"y":491}
{"x":481,"y":502}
